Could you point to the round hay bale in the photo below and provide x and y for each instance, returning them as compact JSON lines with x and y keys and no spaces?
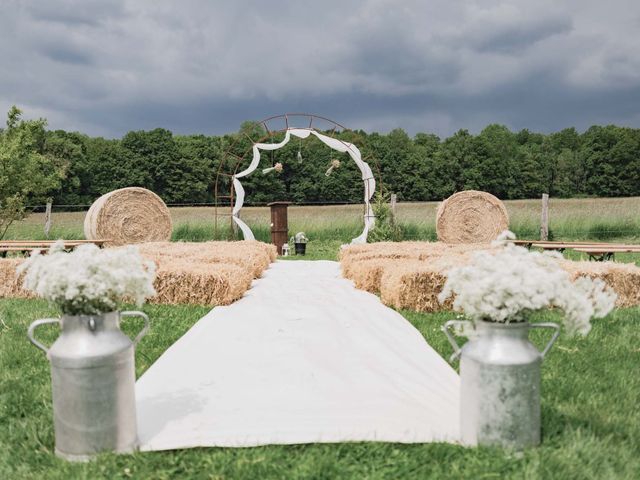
{"x":128,"y":215}
{"x":471,"y":217}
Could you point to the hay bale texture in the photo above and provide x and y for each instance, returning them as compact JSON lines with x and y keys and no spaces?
{"x":623,"y":278}
{"x":252,"y":256}
{"x":471,"y":217}
{"x":180,"y":281}
{"x":128,"y":215}
{"x":10,"y":282}
{"x":208,"y":273}
{"x":411,"y":275}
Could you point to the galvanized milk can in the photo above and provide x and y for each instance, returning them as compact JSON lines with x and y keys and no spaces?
{"x":93,"y":380}
{"x":500,"y":382}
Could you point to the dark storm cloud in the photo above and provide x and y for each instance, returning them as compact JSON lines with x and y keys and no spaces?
{"x":78,"y":13}
{"x":62,"y":54}
{"x":106,"y":67}
{"x":513,"y":38}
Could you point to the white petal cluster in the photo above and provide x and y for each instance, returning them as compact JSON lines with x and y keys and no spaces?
{"x":508,"y":285}
{"x":89,"y":280}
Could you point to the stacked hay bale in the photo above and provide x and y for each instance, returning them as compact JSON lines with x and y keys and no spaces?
{"x":128,"y":215}
{"x":180,"y":281}
{"x":413,"y":287}
{"x":411,"y":275}
{"x":471,"y":217}
{"x":623,"y":278}
{"x":251,"y":255}
{"x":10,"y":282}
{"x":210,"y":273}
{"x":366,"y":264}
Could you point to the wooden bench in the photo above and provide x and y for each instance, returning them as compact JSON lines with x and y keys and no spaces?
{"x":559,"y":244}
{"x":28,"y":246}
{"x":601,"y":253}
{"x":562,"y":246}
{"x":596,"y":250}
{"x":49,"y":243}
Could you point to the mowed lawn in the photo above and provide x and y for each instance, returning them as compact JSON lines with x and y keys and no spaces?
{"x":591,"y":386}
{"x":591,"y":420}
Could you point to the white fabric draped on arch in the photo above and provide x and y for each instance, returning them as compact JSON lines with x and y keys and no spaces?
{"x":339,"y":145}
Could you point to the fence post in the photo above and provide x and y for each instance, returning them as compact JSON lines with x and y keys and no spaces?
{"x":544,"y":220}
{"x":47,"y":219}
{"x":394,"y":199}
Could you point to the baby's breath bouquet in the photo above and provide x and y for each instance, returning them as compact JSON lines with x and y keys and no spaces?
{"x":507,"y":285}
{"x":89,"y":280}
{"x":300,"y":237}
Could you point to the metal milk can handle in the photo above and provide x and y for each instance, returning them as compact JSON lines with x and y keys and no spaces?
{"x":452,"y":340}
{"x":553,"y":338}
{"x":144,"y":330}
{"x":32,"y":329}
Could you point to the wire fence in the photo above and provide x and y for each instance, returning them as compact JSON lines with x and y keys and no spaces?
{"x":596,"y":228}
{"x":80,"y":207}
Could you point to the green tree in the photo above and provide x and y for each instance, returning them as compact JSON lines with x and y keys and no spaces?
{"x":199,"y":157}
{"x":497,"y":166}
{"x":563,"y":168}
{"x":423,"y":168}
{"x":111,"y":166}
{"x":456,"y":165}
{"x":603,"y":162}
{"x":27,"y":174}
{"x":156,"y":154}
{"x":73,"y":149}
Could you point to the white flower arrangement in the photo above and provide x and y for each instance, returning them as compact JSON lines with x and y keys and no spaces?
{"x":277,"y":168}
{"x":508,"y":285}
{"x":300,"y":237}
{"x":89,"y":280}
{"x":335,"y":164}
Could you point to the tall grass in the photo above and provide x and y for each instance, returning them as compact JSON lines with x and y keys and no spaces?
{"x":572,"y":219}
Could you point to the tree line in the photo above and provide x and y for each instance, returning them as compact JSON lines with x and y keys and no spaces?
{"x":76,"y":168}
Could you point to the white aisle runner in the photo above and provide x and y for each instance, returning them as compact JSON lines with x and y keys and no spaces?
{"x":303,"y":357}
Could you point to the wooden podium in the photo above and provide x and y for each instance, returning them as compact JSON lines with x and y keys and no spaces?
{"x":279,"y":224}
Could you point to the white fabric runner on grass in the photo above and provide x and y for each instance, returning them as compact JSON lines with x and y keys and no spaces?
{"x":303,"y":357}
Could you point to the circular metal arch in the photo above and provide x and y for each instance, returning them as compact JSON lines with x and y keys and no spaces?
{"x":275,"y":125}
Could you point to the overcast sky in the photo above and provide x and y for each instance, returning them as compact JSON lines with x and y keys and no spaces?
{"x":196,"y":66}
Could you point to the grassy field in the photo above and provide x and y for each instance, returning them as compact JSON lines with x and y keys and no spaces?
{"x":570,"y":219}
{"x":328,"y":227}
{"x":591,"y":423}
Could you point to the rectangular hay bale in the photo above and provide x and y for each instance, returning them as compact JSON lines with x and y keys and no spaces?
{"x":10,"y":283}
{"x":411,"y":275}
{"x":256,"y":256}
{"x":207,"y":273}
{"x":204,"y":284}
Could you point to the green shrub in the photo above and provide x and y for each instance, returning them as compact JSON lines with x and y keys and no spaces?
{"x":386,"y":228}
